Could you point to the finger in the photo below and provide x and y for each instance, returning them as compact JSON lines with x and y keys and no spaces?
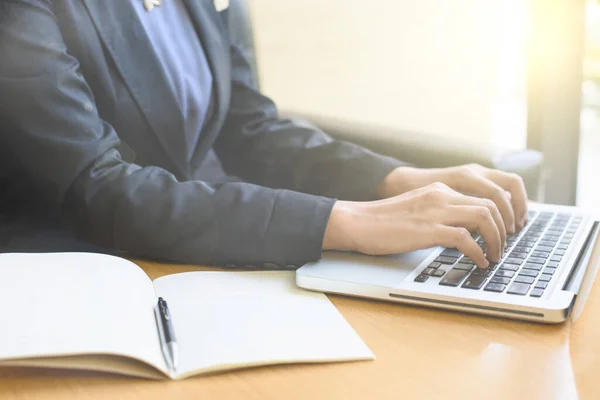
{"x":482,"y":187}
{"x":490,"y":205}
{"x":513,"y":184}
{"x":479,"y":218}
{"x":461,"y":239}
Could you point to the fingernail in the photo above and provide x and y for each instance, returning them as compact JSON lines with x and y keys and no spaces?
{"x":511,"y":230}
{"x":486,"y":264}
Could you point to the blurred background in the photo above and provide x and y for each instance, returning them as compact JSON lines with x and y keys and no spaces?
{"x":512,"y":74}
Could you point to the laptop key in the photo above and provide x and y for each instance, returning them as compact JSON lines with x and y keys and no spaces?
{"x":485,"y":272}
{"x":552,"y":264}
{"x":529,"y":272}
{"x":446,"y":260}
{"x":540,"y":254}
{"x":524,"y":279}
{"x":556,"y":258}
{"x":421,"y":278}
{"x":535,"y":267}
{"x":559,"y":252}
{"x":536,"y":260}
{"x":549,"y":270}
{"x":474,"y":282}
{"x":500,"y":279}
{"x":509,"y":267}
{"x":495,"y":287}
{"x":518,"y":255}
{"x":504,"y":273}
{"x":512,"y":260}
{"x":523,"y":249}
{"x":544,"y":248}
{"x":541,"y":285}
{"x":562,"y":246}
{"x":527,"y":243}
{"x":438,"y":273}
{"x":454,"y":277}
{"x":518,"y":288}
{"x":536,"y":292}
{"x":551,"y":237}
{"x":434,"y":264}
{"x":463,"y":266}
{"x":545,"y":278}
{"x":451,"y":253}
{"x":428,"y":271}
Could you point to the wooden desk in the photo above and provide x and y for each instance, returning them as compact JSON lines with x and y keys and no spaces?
{"x":421,"y":354}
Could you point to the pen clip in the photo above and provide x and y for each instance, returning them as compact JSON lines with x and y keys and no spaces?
{"x":164,"y":309}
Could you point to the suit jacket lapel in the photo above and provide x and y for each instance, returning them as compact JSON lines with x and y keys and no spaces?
{"x":131,"y":50}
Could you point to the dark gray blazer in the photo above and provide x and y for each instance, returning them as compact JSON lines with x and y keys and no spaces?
{"x":90,"y":129}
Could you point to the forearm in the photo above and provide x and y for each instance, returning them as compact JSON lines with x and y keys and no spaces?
{"x":327,"y":168}
{"x":147,"y":212}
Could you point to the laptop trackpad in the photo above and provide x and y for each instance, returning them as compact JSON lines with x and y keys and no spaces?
{"x":359,"y":268}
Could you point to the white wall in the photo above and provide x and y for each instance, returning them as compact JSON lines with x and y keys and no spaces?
{"x":430,"y":65}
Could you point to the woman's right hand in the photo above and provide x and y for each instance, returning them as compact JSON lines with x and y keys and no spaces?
{"x":418,"y":219}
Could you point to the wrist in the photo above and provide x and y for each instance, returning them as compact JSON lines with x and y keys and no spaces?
{"x":405,"y":179}
{"x":338,"y":233}
{"x":395,"y":183}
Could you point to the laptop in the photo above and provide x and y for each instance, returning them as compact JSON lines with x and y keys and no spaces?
{"x":537,"y":279}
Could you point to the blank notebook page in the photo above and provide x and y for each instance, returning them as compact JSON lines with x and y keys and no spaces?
{"x":237,"y":319}
{"x":63,"y":304}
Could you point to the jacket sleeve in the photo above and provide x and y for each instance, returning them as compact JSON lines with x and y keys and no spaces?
{"x":258,"y":146}
{"x":71,"y":157}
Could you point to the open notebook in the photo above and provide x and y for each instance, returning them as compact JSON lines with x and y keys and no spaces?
{"x":97,"y":312}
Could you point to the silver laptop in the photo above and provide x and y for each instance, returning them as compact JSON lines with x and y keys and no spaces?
{"x":538,"y":278}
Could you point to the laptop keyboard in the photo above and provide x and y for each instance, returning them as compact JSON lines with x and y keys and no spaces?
{"x":527,"y":265}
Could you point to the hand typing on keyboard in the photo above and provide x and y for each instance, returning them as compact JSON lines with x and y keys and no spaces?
{"x":422,"y":208}
{"x":506,"y":190}
{"x":419,"y":219}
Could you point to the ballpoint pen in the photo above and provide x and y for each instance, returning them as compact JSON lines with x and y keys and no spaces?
{"x":169,"y":343}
